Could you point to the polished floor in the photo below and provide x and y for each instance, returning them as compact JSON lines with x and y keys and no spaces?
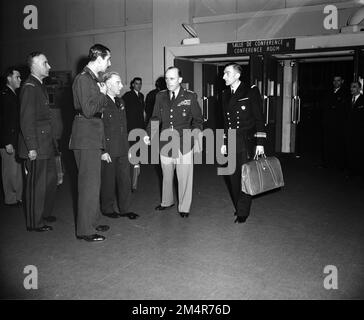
{"x":316,"y":220}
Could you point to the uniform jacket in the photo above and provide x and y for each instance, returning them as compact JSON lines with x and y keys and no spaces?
{"x":36,"y":131}
{"x":115,"y":126}
{"x":89,"y":102}
{"x":336,"y":106}
{"x":134,"y":110}
{"x":182,"y":113}
{"x":243,"y":111}
{"x":9,"y":117}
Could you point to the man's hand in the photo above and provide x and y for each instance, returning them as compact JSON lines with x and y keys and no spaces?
{"x":32,"y":155}
{"x":9,"y":149}
{"x":259,"y":150}
{"x":106,"y":157}
{"x":102,"y":87}
{"x":223,"y":149}
{"x":146,"y":140}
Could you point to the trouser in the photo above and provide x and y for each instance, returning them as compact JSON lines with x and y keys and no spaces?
{"x":184,"y":167}
{"x":115,"y":177}
{"x":242,"y":201}
{"x":41,"y":186}
{"x":12,"y":177}
{"x":89,"y":181}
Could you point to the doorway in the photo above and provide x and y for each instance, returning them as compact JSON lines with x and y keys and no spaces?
{"x":315,"y":79}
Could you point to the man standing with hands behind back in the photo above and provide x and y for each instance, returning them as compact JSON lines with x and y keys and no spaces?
{"x":37,"y":145}
{"x":88,"y":140}
{"x":243,"y":112}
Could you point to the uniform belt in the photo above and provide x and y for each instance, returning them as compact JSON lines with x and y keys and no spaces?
{"x":97,"y":115}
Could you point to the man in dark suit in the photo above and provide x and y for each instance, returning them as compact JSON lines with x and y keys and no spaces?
{"x":88,"y":140}
{"x":135,"y":115}
{"x":115,"y":173}
{"x":134,"y":105}
{"x":335,"y":112}
{"x":9,"y":130}
{"x":160,"y":84}
{"x":243,"y":112}
{"x":37,"y":144}
{"x":176,"y":109}
{"x":355,"y":132}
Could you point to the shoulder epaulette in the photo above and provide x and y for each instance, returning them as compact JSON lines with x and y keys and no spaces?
{"x":163,"y":90}
{"x":29,"y":84}
{"x":190,"y":91}
{"x":253,"y":86}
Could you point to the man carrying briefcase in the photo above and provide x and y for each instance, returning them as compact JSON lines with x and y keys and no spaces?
{"x":243,"y":112}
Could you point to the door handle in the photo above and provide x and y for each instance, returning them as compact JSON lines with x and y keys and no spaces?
{"x":299,"y":110}
{"x":267,"y":116}
{"x":293,"y":108}
{"x":207,"y":109}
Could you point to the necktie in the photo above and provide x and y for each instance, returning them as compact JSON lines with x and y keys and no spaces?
{"x":232,"y":91}
{"x":353,"y":101}
{"x":173,"y":96}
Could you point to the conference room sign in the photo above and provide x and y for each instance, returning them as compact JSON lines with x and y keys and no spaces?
{"x":271,"y":46}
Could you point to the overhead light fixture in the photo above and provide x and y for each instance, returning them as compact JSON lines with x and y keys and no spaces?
{"x":192,"y":32}
{"x":354,"y":23}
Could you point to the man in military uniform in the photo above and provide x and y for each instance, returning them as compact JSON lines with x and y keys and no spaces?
{"x":176,"y":109}
{"x":243,"y":112}
{"x":88,"y":140}
{"x":115,"y":173}
{"x":37,"y":145}
{"x":9,"y":130}
{"x":335,"y":112}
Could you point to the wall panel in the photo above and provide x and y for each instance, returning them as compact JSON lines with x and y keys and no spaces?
{"x":139,"y":59}
{"x":139,"y":11}
{"x":79,"y":15}
{"x":110,"y":13}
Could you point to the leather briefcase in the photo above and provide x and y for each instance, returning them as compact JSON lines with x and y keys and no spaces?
{"x":261,"y":175}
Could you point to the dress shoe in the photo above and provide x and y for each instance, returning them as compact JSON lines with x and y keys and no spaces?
{"x":113,"y":215}
{"x":92,"y":238}
{"x":102,"y":228}
{"x":240,"y":219}
{"x":130,"y":215}
{"x":41,"y":229}
{"x":50,"y":219}
{"x":184,"y":214}
{"x":160,"y":207}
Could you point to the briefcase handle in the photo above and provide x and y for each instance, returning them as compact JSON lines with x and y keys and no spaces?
{"x":256,"y":156}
